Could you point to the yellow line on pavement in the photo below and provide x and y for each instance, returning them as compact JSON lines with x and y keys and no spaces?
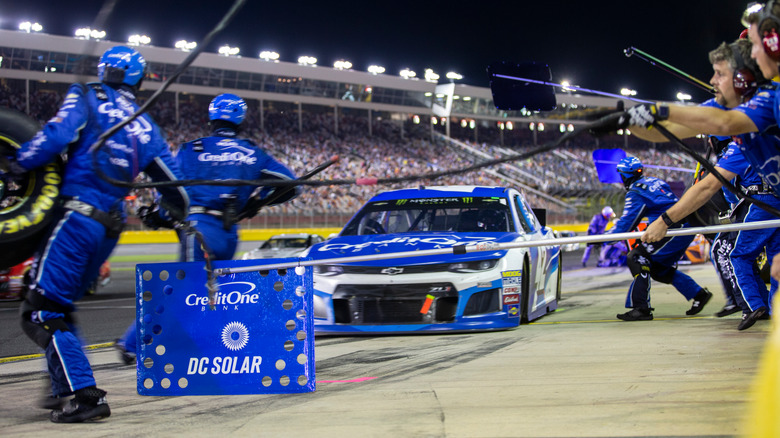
{"x":39,"y":355}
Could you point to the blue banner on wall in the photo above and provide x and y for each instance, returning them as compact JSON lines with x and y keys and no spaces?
{"x":259,"y":339}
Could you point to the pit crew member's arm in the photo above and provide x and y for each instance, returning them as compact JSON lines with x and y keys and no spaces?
{"x":633,"y":212}
{"x":63,"y":129}
{"x":712,"y":120}
{"x":174,"y":199}
{"x":692,"y":199}
{"x":276,"y":170}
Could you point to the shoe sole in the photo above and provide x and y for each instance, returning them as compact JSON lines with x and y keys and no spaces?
{"x":98,"y":413}
{"x":641,"y":318}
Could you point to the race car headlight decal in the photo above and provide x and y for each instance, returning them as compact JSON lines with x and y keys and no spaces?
{"x":328,"y":270}
{"x":476,"y":266}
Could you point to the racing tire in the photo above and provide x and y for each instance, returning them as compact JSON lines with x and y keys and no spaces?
{"x":525,"y":294}
{"x":560,"y":279}
{"x":27,"y":203}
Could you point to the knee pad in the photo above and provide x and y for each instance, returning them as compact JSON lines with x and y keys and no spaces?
{"x":638,"y":260}
{"x":40,"y":332}
{"x":662,"y":273}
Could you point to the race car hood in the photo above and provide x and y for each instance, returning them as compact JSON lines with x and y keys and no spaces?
{"x":350,"y":246}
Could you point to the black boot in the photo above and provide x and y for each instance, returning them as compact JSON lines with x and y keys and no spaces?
{"x":637,"y":315}
{"x":748,"y":319}
{"x":699,"y":301}
{"x":88,"y":404}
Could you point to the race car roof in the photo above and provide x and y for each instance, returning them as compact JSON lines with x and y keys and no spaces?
{"x":441,"y":191}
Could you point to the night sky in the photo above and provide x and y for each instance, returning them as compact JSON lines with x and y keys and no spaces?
{"x":582,"y":41}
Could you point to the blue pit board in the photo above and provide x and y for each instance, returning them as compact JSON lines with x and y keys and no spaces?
{"x":259,"y":339}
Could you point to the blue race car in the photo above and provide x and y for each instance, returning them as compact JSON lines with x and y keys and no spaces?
{"x":485,"y":290}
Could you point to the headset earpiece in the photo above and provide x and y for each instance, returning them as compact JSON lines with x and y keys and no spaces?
{"x":770,"y":39}
{"x":743,"y":80}
{"x":744,"y":83}
{"x":771,"y":42}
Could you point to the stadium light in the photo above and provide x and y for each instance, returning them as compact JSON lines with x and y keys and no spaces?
{"x":682,"y":97}
{"x":430,"y":76}
{"x":376,"y":69}
{"x":228,"y":51}
{"x":185,"y":45}
{"x":627,"y":92}
{"x":138,"y":40}
{"x":269,"y":55}
{"x":307,"y":60}
{"x":26,"y":26}
{"x":407,"y":74}
{"x":85,"y":33}
{"x":452,"y":76}
{"x":342,"y":65}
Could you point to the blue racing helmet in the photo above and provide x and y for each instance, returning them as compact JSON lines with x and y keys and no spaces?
{"x":227,"y":107}
{"x":629,"y":166}
{"x":630,"y":169}
{"x":122,"y":65}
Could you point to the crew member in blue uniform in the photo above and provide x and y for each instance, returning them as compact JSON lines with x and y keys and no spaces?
{"x":759,"y":116}
{"x":214,"y":210}
{"x":650,"y":197}
{"x":597,"y":226}
{"x":89,"y":220}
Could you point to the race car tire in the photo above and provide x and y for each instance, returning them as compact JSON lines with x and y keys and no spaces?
{"x":525,"y":294}
{"x":560,"y":279}
{"x":27,"y":205}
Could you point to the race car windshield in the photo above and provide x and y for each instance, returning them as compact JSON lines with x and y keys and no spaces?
{"x":457,"y":214}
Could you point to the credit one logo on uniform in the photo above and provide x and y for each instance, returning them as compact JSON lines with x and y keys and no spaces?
{"x":233,"y":152}
{"x":230,"y":294}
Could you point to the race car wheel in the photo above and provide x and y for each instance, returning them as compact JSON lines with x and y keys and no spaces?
{"x":525,"y":294}
{"x":26,"y":201}
{"x":560,"y":278}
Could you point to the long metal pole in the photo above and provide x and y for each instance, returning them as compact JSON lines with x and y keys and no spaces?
{"x":494,"y":246}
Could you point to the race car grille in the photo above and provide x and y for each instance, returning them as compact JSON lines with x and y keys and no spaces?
{"x":415,"y":269}
{"x":395,"y":304}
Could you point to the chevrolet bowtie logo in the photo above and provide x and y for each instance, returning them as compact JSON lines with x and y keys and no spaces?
{"x":392,"y":271}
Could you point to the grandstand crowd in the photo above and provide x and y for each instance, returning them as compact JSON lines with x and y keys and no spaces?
{"x":393,"y":151}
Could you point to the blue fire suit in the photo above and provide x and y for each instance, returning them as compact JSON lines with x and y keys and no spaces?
{"x":597,"y":226}
{"x":223,"y":155}
{"x":748,"y":244}
{"x":650,"y":197}
{"x":219,"y":156}
{"x":88,"y":223}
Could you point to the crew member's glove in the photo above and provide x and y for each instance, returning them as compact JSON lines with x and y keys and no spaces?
{"x":150,"y":216}
{"x":9,"y":166}
{"x":646,"y":114}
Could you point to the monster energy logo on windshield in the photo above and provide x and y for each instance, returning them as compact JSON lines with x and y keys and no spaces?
{"x":468,"y":200}
{"x":401,"y":201}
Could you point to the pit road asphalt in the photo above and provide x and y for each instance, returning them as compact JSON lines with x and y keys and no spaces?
{"x":578,"y":372}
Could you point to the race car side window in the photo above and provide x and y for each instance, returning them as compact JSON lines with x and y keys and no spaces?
{"x":527,"y":219}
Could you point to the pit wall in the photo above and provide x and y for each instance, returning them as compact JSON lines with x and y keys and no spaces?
{"x":169,"y":236}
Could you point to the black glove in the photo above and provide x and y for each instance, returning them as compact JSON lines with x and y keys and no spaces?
{"x":150,"y":216}
{"x":12,"y":174}
{"x":609,"y":124}
{"x":646,"y":114}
